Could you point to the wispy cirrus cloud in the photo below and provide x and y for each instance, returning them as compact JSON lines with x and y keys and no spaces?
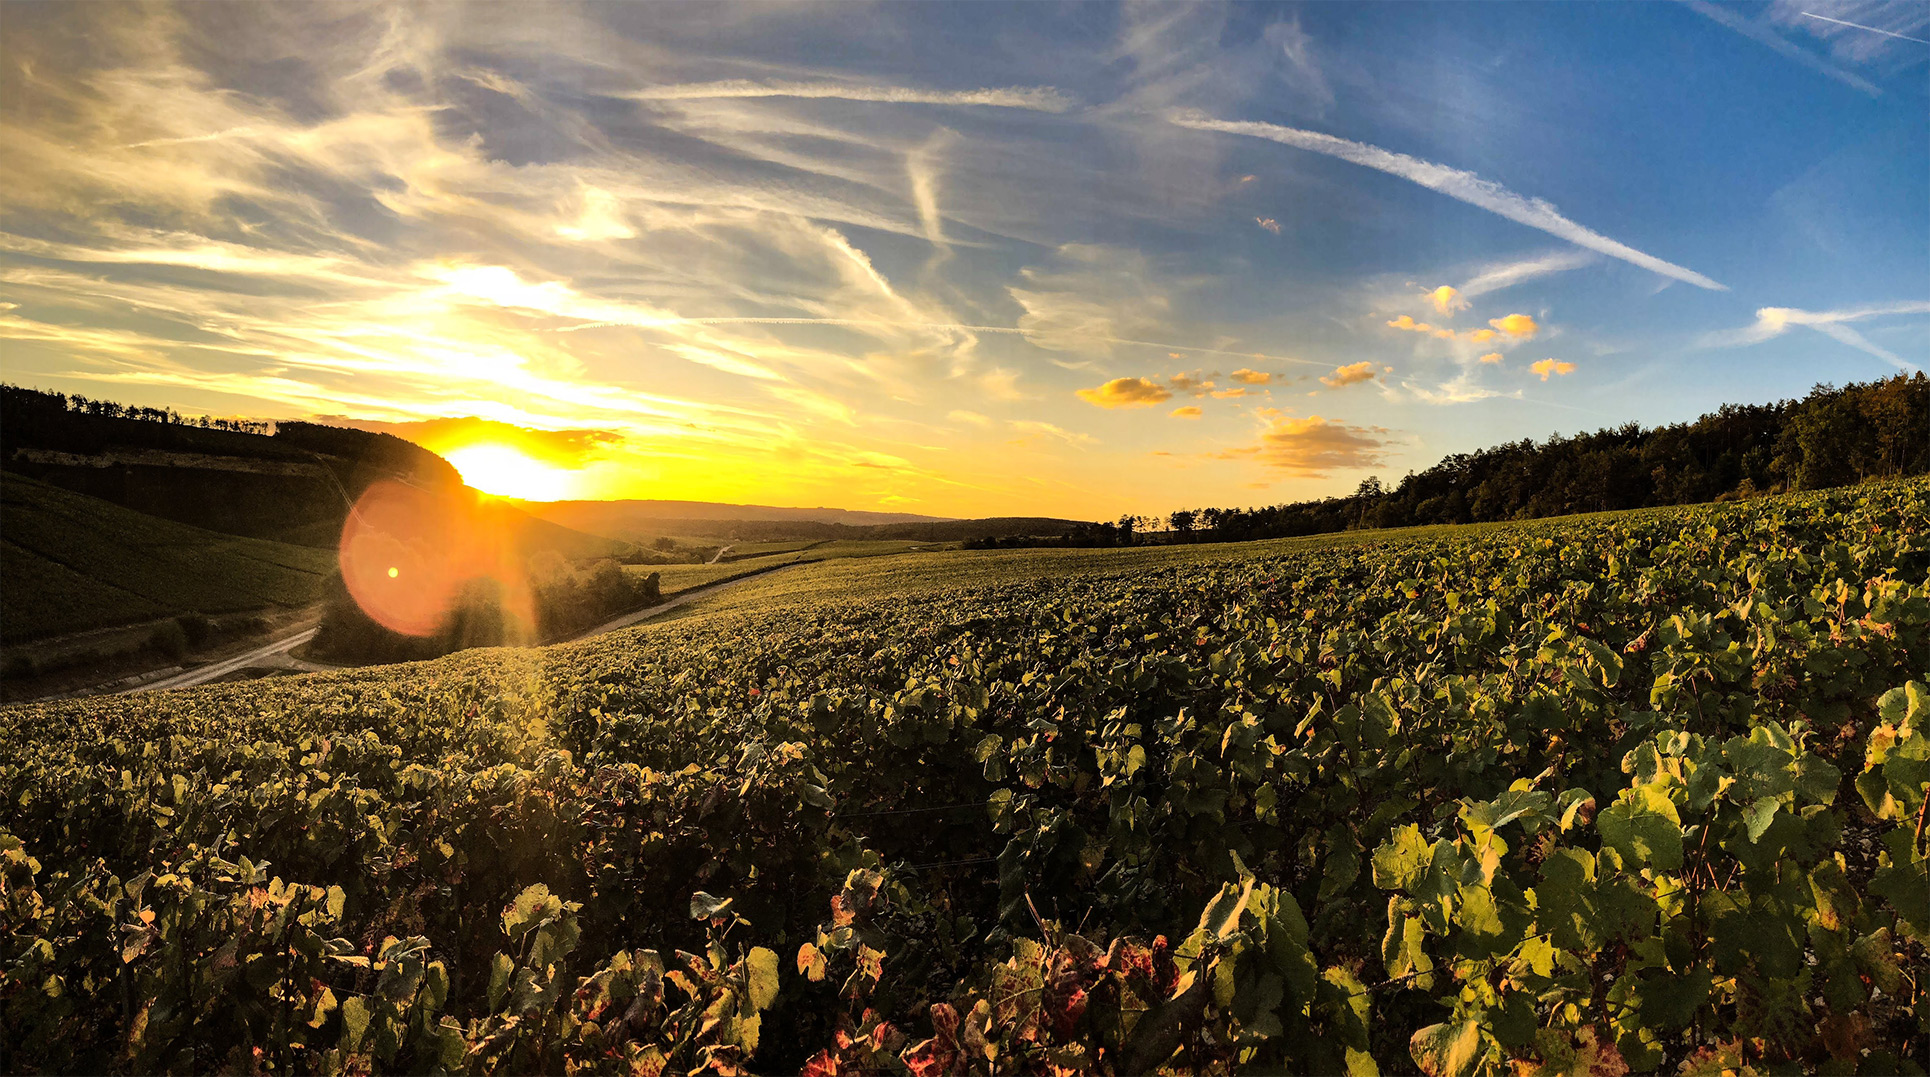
{"x":1774,"y":321}
{"x":1034,"y":98}
{"x":1453,"y":182}
{"x":1501,"y":275}
{"x":1764,"y":34}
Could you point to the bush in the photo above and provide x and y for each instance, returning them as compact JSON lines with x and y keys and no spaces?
{"x":196,"y":628}
{"x":169,"y":639}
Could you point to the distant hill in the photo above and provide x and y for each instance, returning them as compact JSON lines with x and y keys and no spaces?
{"x":647,"y":519}
{"x":291,"y":486}
{"x":73,"y":563}
{"x":294,"y":485}
{"x":115,"y":516}
{"x":641,"y":521}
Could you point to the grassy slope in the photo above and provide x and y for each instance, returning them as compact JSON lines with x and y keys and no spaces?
{"x":894,"y":568}
{"x":679,"y":578}
{"x":74,"y":562}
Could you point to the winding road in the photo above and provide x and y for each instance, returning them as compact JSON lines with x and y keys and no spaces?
{"x":269,"y":652}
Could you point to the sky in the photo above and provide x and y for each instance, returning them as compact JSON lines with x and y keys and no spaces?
{"x":963,"y":259}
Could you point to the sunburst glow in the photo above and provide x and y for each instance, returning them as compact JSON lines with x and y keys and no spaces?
{"x":505,"y":472}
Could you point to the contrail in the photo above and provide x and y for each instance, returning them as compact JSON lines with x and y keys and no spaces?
{"x":1453,"y":182}
{"x":1871,"y":29}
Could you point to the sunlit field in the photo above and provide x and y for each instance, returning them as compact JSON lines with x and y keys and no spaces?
{"x":965,"y":539}
{"x":1311,"y":805}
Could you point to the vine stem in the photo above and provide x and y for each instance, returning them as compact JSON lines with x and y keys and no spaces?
{"x":1923,"y":812}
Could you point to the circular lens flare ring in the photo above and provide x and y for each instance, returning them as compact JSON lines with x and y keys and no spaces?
{"x":407,"y":554}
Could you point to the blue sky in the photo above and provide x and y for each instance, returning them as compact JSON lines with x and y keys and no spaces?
{"x":966,"y":259}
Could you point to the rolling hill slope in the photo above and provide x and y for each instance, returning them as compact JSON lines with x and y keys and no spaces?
{"x":642,"y":521}
{"x":73,"y":562}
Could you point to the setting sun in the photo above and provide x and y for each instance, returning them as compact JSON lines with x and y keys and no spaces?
{"x":505,"y":472}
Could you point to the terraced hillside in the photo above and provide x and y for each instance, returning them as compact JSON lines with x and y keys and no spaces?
{"x":1620,"y":793}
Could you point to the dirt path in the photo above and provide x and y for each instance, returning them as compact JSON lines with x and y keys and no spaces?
{"x":213,"y":670}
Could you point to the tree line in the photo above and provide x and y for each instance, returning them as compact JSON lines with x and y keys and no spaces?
{"x":1831,"y":437}
{"x":42,"y":400}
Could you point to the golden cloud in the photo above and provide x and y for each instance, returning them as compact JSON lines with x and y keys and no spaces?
{"x":1268,"y":223}
{"x":1252,"y":377}
{"x":1410,"y":325}
{"x":1491,"y":357}
{"x":1126,"y":393}
{"x":1188,"y":383}
{"x":1548,"y":367}
{"x":1230,"y":394}
{"x":1447,"y":300}
{"x":1351,"y":374}
{"x":1187,"y":412}
{"x":1313,"y":446}
{"x":1516,"y":325}
{"x":1482,"y":336}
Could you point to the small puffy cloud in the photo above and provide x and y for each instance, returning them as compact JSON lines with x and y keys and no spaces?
{"x":1447,"y":300}
{"x":1351,"y":374}
{"x":972,"y":417}
{"x":1251,"y":377}
{"x":1549,"y":367}
{"x":1126,"y":393}
{"x":1189,"y":383}
{"x":1268,"y":223}
{"x":1410,"y":325}
{"x":1188,"y":412}
{"x":1516,"y":325}
{"x":1313,"y":446}
{"x":1491,"y":357}
{"x":1229,"y":394}
{"x":1482,"y":336}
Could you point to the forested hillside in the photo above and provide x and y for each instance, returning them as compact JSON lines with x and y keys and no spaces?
{"x":1831,"y":437}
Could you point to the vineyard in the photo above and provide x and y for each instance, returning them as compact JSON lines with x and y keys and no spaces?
{"x":1626,"y":793}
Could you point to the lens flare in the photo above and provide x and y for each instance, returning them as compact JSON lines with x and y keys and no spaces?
{"x":408,"y":554}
